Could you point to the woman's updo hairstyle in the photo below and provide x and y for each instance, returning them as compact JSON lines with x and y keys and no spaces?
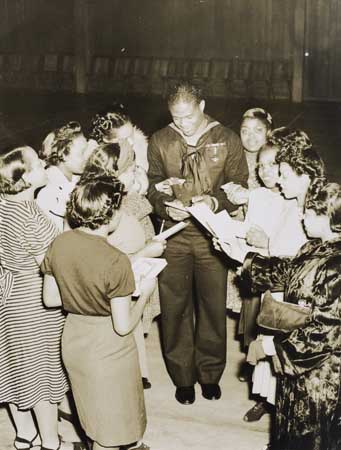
{"x":104,"y":124}
{"x":13,"y":165}
{"x":57,"y":144}
{"x":326,"y":200}
{"x":296,"y":149}
{"x":259,"y":113}
{"x":102,"y":162}
{"x":287,"y":137}
{"x":92,"y":204}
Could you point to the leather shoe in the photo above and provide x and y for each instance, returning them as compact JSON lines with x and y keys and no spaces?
{"x":185,"y":394}
{"x":211,"y":391}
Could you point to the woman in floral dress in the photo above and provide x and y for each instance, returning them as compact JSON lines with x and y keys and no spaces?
{"x":308,"y":404}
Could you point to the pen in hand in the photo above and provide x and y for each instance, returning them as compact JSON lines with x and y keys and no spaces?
{"x":162,"y":226}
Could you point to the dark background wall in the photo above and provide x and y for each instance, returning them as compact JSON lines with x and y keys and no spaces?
{"x":36,"y":26}
{"x":251,"y":29}
{"x":229,"y":29}
{"x":246,"y":29}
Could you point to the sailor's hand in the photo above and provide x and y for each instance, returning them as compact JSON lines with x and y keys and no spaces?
{"x":175,"y":213}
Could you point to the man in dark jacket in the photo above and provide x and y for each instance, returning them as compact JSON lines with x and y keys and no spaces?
{"x":201,"y":155}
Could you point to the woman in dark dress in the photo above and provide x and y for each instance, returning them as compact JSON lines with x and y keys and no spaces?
{"x":308,"y":404}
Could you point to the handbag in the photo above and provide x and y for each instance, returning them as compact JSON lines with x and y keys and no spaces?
{"x":281,"y":316}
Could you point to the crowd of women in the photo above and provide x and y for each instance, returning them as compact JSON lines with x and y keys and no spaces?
{"x":75,"y":216}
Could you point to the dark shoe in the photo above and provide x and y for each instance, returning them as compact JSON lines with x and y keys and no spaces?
{"x":146,"y":383}
{"x":141,"y":446}
{"x":24,"y":444}
{"x":185,"y":394}
{"x":73,"y":424}
{"x":211,"y":391}
{"x":256,"y":412}
{"x":67,"y":416}
{"x":245,"y":373}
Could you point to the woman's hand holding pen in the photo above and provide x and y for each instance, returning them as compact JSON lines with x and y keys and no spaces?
{"x":257,"y":237}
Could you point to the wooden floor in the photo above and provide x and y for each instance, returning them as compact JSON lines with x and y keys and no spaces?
{"x":205,"y":425}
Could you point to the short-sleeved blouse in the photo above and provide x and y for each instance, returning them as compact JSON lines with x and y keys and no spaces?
{"x":89,"y":272}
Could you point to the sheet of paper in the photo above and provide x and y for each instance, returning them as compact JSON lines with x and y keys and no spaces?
{"x":225,"y":225}
{"x":229,"y":186}
{"x":220,"y":225}
{"x":172,"y":230}
{"x":203,"y":214}
{"x":148,"y":267}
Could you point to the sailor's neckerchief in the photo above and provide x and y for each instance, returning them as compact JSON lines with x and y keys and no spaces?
{"x":193,"y":165}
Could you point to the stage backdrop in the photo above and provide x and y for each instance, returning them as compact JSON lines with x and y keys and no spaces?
{"x":228,"y":29}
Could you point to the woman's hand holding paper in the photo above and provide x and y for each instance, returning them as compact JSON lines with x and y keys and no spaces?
{"x":154,"y":249}
{"x":236,"y":194}
{"x":165,"y":187}
{"x":147,"y":286}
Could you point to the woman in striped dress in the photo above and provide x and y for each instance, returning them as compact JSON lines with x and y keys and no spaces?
{"x":32,"y":379}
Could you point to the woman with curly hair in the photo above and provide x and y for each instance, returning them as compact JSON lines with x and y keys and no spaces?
{"x":255,"y":127}
{"x":301,"y":168}
{"x":308,"y":403}
{"x":32,"y":379}
{"x":114,"y":125}
{"x":135,"y":232}
{"x":96,"y":283}
{"x":65,"y":151}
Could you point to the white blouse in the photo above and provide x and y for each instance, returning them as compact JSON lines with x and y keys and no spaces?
{"x":53,"y":197}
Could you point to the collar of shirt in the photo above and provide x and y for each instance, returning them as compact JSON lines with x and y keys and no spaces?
{"x":210,"y":123}
{"x":58,"y":179}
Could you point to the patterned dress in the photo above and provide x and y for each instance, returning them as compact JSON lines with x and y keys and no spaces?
{"x":308,"y":404}
{"x":30,"y":360}
{"x":133,"y":238}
